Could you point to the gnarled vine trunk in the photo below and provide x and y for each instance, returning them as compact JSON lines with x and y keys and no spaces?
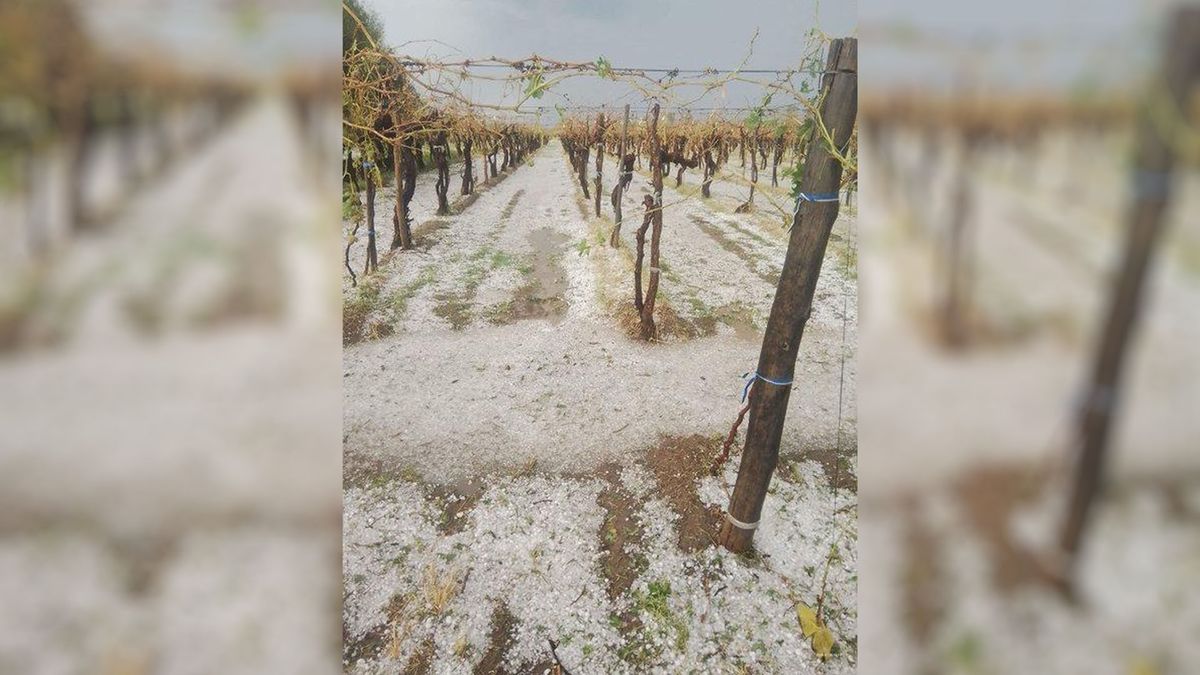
{"x":441,"y":150}
{"x":468,"y":180}
{"x":581,"y":166}
{"x":749,"y":204}
{"x":776,"y":158}
{"x":710,"y":168}
{"x":648,"y":204}
{"x":406,"y":185}
{"x":419,"y":153}
{"x":647,"y":313}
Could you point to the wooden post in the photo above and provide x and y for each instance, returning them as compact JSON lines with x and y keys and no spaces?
{"x":810,"y":231}
{"x":1154,"y":159}
{"x":400,"y":210}
{"x":656,"y":219}
{"x":618,"y":189}
{"x":372,"y":250}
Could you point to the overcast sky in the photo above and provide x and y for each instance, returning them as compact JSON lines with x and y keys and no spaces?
{"x":213,"y":36}
{"x":1020,"y":44}
{"x":660,"y":34}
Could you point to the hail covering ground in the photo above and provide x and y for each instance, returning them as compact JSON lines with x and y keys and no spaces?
{"x":508,"y":369}
{"x":180,"y":517}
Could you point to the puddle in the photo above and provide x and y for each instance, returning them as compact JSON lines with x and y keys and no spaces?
{"x":740,"y":318}
{"x":736,"y":315}
{"x":541,"y":296}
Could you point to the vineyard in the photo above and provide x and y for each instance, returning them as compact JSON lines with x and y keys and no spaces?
{"x":546,"y":326}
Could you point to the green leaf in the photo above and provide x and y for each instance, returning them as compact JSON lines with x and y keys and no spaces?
{"x":604,"y":68}
{"x":535,"y":85}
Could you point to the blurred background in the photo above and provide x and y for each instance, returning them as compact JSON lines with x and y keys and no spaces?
{"x":170,"y":402}
{"x":1030,"y":279}
{"x":169,"y":346}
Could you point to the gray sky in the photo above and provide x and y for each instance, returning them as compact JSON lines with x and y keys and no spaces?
{"x":1019,"y":44}
{"x":212,"y":37}
{"x":659,"y":33}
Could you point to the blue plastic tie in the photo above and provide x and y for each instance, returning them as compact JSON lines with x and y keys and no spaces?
{"x":817,"y":197}
{"x":813,"y":197}
{"x":751,"y":378}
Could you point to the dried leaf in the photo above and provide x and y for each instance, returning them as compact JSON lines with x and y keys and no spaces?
{"x":822,"y":642}
{"x":808,"y":620}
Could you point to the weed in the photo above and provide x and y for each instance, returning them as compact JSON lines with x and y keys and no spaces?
{"x":440,"y":587}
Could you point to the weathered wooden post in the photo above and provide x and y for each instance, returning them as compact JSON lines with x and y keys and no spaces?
{"x":811,"y":226}
{"x":619,"y":188}
{"x":1154,"y":160}
{"x":372,"y":250}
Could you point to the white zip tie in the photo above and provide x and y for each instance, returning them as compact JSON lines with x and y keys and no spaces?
{"x":739,"y":524}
